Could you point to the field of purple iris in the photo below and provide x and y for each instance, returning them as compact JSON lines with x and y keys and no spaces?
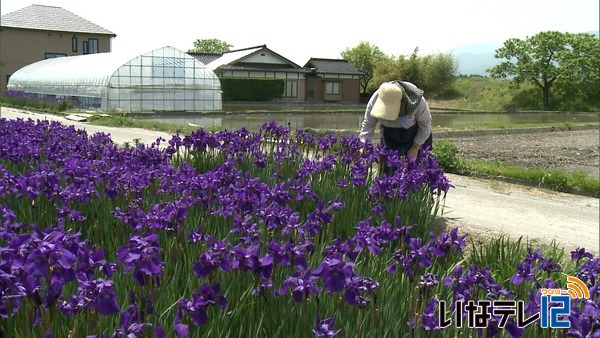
{"x":36,"y":101}
{"x":251,"y":234}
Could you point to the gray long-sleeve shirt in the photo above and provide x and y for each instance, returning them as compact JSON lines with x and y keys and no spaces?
{"x":421,"y":116}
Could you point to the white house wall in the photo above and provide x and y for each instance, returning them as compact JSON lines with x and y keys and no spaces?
{"x":254,"y":74}
{"x":339,"y":76}
{"x":288,"y":76}
{"x":263,"y":57}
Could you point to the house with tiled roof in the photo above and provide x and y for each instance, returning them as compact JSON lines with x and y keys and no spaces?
{"x":322,"y":80}
{"x":39,"y":32}
{"x":332,"y":80}
{"x":258,"y":62}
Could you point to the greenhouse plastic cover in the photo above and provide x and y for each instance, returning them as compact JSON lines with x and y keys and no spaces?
{"x":120,"y":77}
{"x":83,"y":75}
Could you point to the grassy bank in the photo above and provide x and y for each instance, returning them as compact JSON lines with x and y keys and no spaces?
{"x":130,"y":122}
{"x":477,"y":93}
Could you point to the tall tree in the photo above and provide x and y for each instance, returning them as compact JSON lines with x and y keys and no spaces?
{"x":433,"y":73}
{"x":214,"y":46}
{"x":413,"y":70}
{"x":387,"y":69}
{"x":438,"y":73}
{"x":364,"y":56}
{"x":546,"y":58}
{"x":580,"y":87}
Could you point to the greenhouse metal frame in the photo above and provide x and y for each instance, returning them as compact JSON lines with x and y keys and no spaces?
{"x":164,"y":79}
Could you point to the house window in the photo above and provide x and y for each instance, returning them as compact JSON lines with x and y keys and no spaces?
{"x":93,"y":46}
{"x":291,"y":89}
{"x":54,"y":55}
{"x":74,"y":44}
{"x":332,"y":88}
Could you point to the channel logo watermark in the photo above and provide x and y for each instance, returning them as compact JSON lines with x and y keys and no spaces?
{"x":555,"y":306}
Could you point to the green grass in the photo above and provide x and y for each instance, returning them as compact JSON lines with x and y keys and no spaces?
{"x":123,"y":121}
{"x":555,"y":179}
{"x":479,"y":94}
{"x":488,"y":126}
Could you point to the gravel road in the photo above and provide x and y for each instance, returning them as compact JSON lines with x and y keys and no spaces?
{"x":487,"y":209}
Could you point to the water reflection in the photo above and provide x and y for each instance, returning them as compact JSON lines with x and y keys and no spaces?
{"x":354,"y":120}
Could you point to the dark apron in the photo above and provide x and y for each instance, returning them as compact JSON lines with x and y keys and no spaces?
{"x":401,"y":139}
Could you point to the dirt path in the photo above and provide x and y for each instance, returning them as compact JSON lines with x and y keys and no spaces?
{"x":487,"y":209}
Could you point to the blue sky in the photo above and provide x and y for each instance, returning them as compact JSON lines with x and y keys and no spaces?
{"x":301,"y":30}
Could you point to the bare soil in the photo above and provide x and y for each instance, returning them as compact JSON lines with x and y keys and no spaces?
{"x":547,"y":148}
{"x":537,"y":215}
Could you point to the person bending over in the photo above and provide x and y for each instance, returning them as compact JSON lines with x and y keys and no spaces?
{"x":403,"y":115}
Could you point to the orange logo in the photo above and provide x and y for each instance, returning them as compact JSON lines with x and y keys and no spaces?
{"x":575,"y":288}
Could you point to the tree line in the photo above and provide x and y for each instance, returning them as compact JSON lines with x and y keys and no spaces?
{"x":564,"y":67}
{"x":433,"y":73}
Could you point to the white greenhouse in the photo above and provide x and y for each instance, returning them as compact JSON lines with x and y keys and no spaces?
{"x":165,"y":79}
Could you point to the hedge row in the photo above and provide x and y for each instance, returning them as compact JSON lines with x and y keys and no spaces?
{"x":251,"y":89}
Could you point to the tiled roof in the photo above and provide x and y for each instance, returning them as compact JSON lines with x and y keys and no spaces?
{"x":332,"y":66}
{"x":232,"y":57}
{"x":233,"y":60}
{"x":263,"y":67}
{"x":50,"y":18}
{"x":205,"y":58}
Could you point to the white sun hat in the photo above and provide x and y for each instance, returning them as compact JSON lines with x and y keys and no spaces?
{"x":387,"y":105}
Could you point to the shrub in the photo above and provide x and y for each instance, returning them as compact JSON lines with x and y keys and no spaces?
{"x":446,"y":153}
{"x":555,"y":180}
{"x":251,"y":89}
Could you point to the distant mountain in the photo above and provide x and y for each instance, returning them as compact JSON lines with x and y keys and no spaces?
{"x":475,"y":59}
{"x":476,"y":63}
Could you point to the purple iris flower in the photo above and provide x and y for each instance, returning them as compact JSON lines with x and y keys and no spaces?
{"x":430,"y":319}
{"x":97,"y":294}
{"x":214,"y":257}
{"x":334,"y":273}
{"x":141,"y":256}
{"x":580,"y":253}
{"x":523,"y":273}
{"x":196,"y":307}
{"x":181,"y":330}
{"x":324,"y":328}
{"x":302,"y":283}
